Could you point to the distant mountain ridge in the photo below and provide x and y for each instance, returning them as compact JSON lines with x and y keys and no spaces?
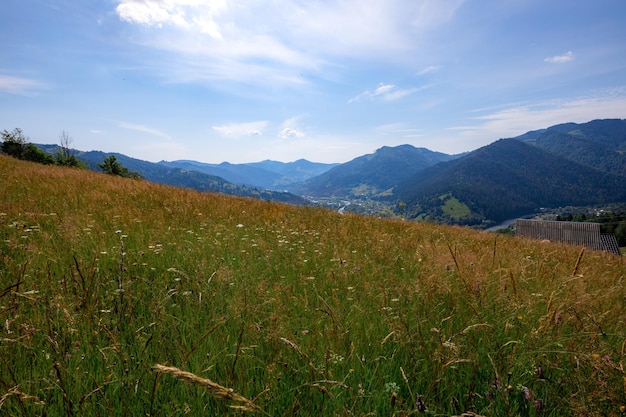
{"x":272,"y":175}
{"x":372,"y":174}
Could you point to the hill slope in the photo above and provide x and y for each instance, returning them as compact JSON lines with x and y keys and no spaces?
{"x":181,"y":177}
{"x":503,"y":180}
{"x":117,"y":296}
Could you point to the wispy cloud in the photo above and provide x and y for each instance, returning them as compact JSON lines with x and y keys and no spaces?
{"x":387,"y":92}
{"x":21,"y":86}
{"x":223,"y":39}
{"x":520,"y":118}
{"x":238,"y":130}
{"x":145,"y":129}
{"x":560,"y":59}
{"x":428,"y":70}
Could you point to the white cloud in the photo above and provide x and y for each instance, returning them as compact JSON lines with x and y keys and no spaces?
{"x":144,"y":129}
{"x":290,"y":129}
{"x":288,"y":133}
{"x":387,"y":92}
{"x":560,"y":59}
{"x":238,"y":130}
{"x":521,"y":118}
{"x":195,"y":15}
{"x":20,"y":86}
{"x":279,"y":39}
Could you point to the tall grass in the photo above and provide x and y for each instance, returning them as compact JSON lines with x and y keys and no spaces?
{"x":121,"y":297}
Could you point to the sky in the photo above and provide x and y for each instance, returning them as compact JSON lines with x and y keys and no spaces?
{"x":249,"y":80}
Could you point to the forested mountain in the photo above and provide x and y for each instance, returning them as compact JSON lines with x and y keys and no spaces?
{"x":600,"y":144}
{"x":372,"y":174}
{"x":506,"y":179}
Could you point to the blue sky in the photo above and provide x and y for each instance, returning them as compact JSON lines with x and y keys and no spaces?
{"x":248,"y":80}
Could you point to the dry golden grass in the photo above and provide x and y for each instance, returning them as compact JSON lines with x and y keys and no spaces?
{"x":324,"y":314}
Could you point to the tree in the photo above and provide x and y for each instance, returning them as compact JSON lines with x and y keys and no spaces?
{"x":111,"y":166}
{"x":34,"y":154}
{"x":14,"y":143}
{"x":64,"y":155}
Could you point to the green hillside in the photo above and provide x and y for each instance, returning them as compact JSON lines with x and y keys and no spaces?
{"x":600,"y":144}
{"x":504,"y":180}
{"x":120,"y":297}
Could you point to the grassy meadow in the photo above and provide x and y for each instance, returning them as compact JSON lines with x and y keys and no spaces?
{"x":119,"y":297}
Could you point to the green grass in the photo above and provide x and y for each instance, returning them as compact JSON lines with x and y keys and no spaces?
{"x":454,"y":208}
{"x":301,"y":311}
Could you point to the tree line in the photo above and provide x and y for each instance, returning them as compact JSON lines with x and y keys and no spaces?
{"x":17,"y":145}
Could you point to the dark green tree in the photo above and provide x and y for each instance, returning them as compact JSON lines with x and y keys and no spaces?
{"x":14,"y":143}
{"x":111,"y":166}
{"x":34,"y":154}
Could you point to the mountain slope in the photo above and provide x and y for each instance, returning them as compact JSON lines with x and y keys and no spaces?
{"x":600,"y":144}
{"x":506,"y":179}
{"x":372,"y":174}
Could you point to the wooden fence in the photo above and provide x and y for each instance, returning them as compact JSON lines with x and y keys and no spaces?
{"x":574,"y":233}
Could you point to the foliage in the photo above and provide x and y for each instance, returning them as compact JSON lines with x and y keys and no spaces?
{"x":111,"y":166}
{"x":17,"y":145}
{"x":14,"y":143}
{"x":122,"y":297}
{"x":613,"y":222}
{"x":34,"y":154}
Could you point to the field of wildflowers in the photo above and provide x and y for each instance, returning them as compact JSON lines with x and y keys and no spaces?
{"x":121,"y":297}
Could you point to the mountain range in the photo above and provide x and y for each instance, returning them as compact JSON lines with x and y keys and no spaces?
{"x":563,"y":165}
{"x":266,"y":174}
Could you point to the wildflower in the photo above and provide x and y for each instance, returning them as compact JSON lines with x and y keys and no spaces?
{"x":419,"y":404}
{"x":391,"y":387}
{"x":335,"y":358}
{"x":540,"y":374}
{"x":539,"y":406}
